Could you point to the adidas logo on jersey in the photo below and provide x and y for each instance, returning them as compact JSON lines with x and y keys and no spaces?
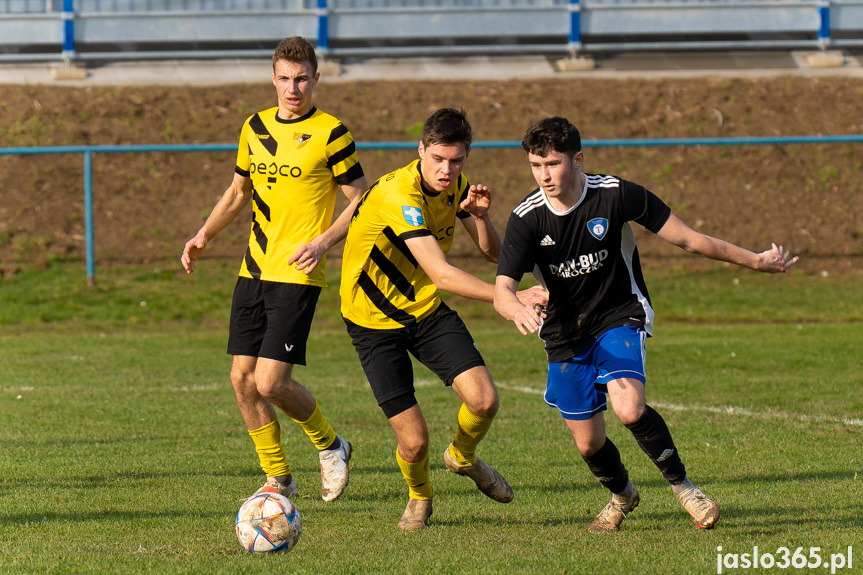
{"x":547,"y":241}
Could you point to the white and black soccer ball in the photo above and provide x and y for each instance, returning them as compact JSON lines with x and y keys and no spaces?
{"x":268,"y":523}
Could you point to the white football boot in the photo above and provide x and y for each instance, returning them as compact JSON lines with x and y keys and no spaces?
{"x":621,"y":505}
{"x":272,"y":485}
{"x":416,"y":515}
{"x":700,"y":507}
{"x":487,"y":479}
{"x":334,"y":470}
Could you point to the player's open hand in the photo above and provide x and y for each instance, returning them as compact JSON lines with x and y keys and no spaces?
{"x":529,"y":319}
{"x":307,"y":257}
{"x":776,"y":260}
{"x":535,"y":296}
{"x":478,"y":201}
{"x":192,"y":251}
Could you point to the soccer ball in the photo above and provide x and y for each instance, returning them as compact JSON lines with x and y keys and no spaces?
{"x":268,"y":523}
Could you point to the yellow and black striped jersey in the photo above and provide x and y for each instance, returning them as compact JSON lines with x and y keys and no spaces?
{"x":296,"y":167}
{"x":382,"y":285}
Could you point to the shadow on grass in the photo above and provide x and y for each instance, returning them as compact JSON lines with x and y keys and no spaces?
{"x":66,"y":482}
{"x":767,"y":520}
{"x":114,"y":516}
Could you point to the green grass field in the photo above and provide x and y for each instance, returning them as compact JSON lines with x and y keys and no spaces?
{"x":121,"y":449}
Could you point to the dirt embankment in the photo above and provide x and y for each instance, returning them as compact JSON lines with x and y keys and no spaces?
{"x":146,"y":205}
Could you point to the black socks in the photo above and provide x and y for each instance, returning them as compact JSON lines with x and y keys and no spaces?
{"x":655,"y":440}
{"x":606,"y":466}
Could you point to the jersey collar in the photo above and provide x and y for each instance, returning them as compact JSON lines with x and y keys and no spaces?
{"x":425,"y":189}
{"x":570,"y":210}
{"x":308,"y":115}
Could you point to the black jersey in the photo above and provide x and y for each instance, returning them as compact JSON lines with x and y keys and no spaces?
{"x":587,"y":260}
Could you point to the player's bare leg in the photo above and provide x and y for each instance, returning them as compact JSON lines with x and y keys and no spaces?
{"x":259,"y":384}
{"x":263,"y":426}
{"x":412,"y":456}
{"x":275,"y":383}
{"x":476,"y":389}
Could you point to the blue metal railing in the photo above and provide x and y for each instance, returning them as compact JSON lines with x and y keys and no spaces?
{"x":386,"y":27}
{"x":88,"y":151}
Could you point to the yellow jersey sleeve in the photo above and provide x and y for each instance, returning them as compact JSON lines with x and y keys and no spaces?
{"x":243,"y":151}
{"x":342,"y":157}
{"x":404,"y":214}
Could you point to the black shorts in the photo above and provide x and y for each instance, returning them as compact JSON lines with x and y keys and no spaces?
{"x":272,"y":319}
{"x":441,"y":342}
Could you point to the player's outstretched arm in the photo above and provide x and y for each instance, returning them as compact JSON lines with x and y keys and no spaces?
{"x":445,"y":276}
{"x":229,"y":205}
{"x":480,"y":227}
{"x":309,"y":255}
{"x":775,"y":260}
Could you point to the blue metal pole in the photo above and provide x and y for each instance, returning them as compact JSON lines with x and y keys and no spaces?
{"x":323,"y":26}
{"x":68,"y":30}
{"x":574,"y":27}
{"x":824,"y":29}
{"x":88,"y":215}
{"x":87,"y":151}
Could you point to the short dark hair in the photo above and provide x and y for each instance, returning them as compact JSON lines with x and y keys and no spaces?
{"x":296,"y":49}
{"x":447,"y":126}
{"x":553,"y":134}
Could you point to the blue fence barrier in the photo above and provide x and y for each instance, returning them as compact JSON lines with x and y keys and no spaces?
{"x":97,"y":30}
{"x":88,"y":151}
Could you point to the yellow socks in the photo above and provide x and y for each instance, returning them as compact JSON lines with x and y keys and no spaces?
{"x":271,"y":452}
{"x":318,"y":429}
{"x":417,"y":477}
{"x":471,"y":430}
{"x":268,"y":444}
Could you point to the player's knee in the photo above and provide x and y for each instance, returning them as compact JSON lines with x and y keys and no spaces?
{"x":486,"y":407}
{"x":413,"y":448}
{"x":275,"y":388}
{"x":587,"y":446}
{"x":242,"y":380}
{"x":476,"y":388}
{"x":629,"y":413}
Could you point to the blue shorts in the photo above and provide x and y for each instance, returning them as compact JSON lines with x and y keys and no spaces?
{"x":578,"y":387}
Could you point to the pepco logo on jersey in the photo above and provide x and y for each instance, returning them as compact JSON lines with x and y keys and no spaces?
{"x":274,"y":169}
{"x":445,"y":233}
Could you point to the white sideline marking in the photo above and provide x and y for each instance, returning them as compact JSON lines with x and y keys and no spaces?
{"x":199,"y":387}
{"x":732,"y":410}
{"x":727,"y":410}
{"x":177,"y":388}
